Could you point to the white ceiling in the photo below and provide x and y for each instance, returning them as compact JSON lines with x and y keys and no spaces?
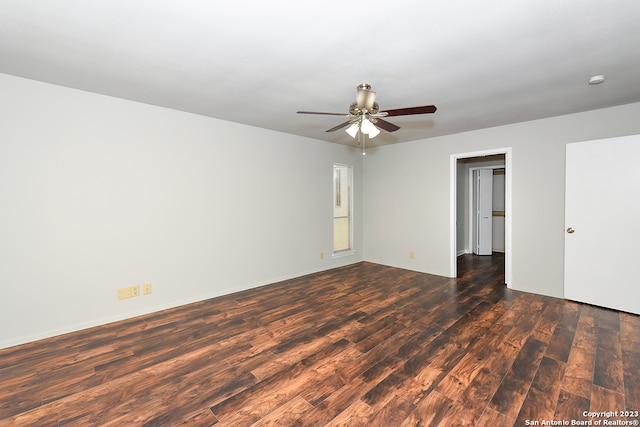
{"x":257,"y":62}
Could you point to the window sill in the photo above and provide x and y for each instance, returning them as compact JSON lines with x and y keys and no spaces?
{"x":343,"y":253}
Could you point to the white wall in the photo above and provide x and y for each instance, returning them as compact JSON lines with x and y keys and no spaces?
{"x":98,"y":193}
{"x":406,"y":194}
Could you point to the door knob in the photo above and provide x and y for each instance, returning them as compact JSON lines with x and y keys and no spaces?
{"x":570,"y":230}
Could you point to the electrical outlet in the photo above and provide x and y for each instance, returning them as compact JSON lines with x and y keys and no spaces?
{"x":129,"y":292}
{"x":124,"y":293}
{"x":146,"y":289}
{"x":412,"y":255}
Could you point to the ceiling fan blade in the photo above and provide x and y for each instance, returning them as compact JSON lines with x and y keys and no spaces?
{"x":340,"y":126}
{"x":425,"y":109}
{"x":326,"y":114}
{"x":389,"y":127}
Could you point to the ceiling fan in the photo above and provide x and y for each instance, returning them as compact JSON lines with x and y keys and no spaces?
{"x":365,"y":116}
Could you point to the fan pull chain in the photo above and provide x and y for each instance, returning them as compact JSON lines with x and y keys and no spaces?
{"x":364,"y":138}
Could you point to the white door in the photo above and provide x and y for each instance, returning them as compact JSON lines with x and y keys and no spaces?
{"x":602,"y":217}
{"x":484,"y":212}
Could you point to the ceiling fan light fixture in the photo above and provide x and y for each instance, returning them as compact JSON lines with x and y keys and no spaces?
{"x":365,"y":113}
{"x":374,"y":132}
{"x":369,"y":128}
{"x":353,"y":129}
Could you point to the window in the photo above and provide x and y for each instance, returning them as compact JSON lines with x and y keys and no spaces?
{"x":342,"y":201}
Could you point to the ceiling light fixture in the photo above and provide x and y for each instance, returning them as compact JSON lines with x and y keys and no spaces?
{"x":365,"y":116}
{"x":360,"y":129}
{"x":365,"y":126}
{"x":353,"y":129}
{"x":596,"y":80}
{"x":369,"y":128}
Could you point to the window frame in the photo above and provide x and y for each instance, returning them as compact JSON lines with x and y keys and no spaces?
{"x":338,"y":201}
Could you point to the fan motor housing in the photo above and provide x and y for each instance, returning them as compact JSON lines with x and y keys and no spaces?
{"x":354,"y":110}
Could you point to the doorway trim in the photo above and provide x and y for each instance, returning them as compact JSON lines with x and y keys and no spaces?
{"x":453,"y":267}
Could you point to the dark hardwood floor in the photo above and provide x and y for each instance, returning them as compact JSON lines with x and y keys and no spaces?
{"x":359,"y":345}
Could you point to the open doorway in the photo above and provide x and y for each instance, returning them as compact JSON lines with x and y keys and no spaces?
{"x":483,"y":225}
{"x":467,"y":230}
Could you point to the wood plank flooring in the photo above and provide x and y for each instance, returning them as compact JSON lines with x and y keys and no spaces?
{"x":364,"y":344}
